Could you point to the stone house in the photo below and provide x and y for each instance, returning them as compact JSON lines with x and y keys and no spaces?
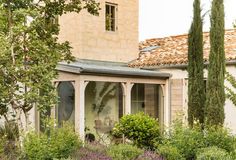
{"x":99,"y":87}
{"x":169,"y":55}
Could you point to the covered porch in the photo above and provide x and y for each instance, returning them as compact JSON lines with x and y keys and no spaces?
{"x":94,"y":95}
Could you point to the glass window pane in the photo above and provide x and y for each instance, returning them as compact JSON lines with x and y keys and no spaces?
{"x":110,"y":17}
{"x":66,"y":104}
{"x":146,"y":98}
{"x":103,"y":107}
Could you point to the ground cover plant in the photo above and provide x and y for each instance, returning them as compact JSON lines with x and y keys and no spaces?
{"x":124,"y":152}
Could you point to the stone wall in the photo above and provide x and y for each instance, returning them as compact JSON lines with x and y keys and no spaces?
{"x":179,"y":95}
{"x":90,"y":40}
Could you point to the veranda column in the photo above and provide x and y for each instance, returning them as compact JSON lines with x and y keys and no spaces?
{"x":128,"y":88}
{"x":79,"y":107}
{"x":167,"y":109}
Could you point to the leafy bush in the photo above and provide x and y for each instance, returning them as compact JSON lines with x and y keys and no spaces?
{"x":139,"y":128}
{"x":221,"y":138}
{"x":213,"y":153}
{"x":64,"y":141}
{"x":169,"y":152}
{"x":37,"y":146}
{"x":186,"y":141}
{"x":182,"y":140}
{"x":57,"y":143}
{"x":124,"y":152}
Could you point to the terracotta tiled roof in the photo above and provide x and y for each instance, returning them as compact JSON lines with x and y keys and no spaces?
{"x":173,"y":50}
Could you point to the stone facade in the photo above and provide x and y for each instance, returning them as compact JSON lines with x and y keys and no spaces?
{"x":90,"y":40}
{"x":179,"y":96}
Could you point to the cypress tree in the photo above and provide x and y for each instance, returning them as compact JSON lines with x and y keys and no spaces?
{"x":215,"y":96}
{"x":196,"y":87}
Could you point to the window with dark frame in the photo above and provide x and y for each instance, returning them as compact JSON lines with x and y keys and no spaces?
{"x":110,"y":17}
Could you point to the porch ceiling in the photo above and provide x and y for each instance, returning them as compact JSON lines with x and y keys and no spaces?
{"x":83,"y":66}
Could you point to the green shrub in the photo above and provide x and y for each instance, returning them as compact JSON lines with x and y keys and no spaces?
{"x":9,"y":134}
{"x":64,"y":141}
{"x":186,"y":140}
{"x":169,"y":152}
{"x":221,"y":138}
{"x":37,"y":146}
{"x":124,"y":152}
{"x":212,"y":153}
{"x":139,"y":128}
{"x":56,"y":143}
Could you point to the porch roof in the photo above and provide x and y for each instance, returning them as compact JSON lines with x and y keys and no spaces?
{"x":84,"y":66}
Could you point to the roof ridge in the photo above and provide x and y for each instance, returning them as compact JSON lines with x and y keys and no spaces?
{"x":181,"y":35}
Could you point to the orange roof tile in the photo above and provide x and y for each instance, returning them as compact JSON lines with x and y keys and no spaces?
{"x":174,"y":50}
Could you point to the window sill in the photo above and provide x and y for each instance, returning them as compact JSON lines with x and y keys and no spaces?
{"x":111,"y":32}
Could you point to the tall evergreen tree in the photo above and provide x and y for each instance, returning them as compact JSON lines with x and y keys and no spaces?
{"x":196,"y":88}
{"x":215,"y":96}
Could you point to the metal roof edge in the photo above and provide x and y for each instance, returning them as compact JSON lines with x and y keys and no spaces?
{"x":141,"y":73}
{"x":67,"y":68}
{"x":127,"y":71}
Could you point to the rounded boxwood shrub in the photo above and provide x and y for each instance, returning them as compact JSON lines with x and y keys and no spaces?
{"x":55,"y":143}
{"x":212,"y":153}
{"x":140,"y":128}
{"x":124,"y":152}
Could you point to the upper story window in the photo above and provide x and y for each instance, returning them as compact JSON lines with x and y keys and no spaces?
{"x":110,"y":17}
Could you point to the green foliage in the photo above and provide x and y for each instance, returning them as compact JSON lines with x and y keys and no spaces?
{"x":54,"y":143}
{"x":215,"y":96}
{"x":9,"y":131}
{"x":37,"y":146}
{"x":230,"y":93}
{"x":186,"y":140}
{"x":30,"y":52}
{"x":9,"y":134}
{"x":212,"y":153}
{"x":221,"y":138}
{"x":169,"y":152}
{"x":196,"y":87}
{"x":124,"y":152}
{"x":143,"y":130}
